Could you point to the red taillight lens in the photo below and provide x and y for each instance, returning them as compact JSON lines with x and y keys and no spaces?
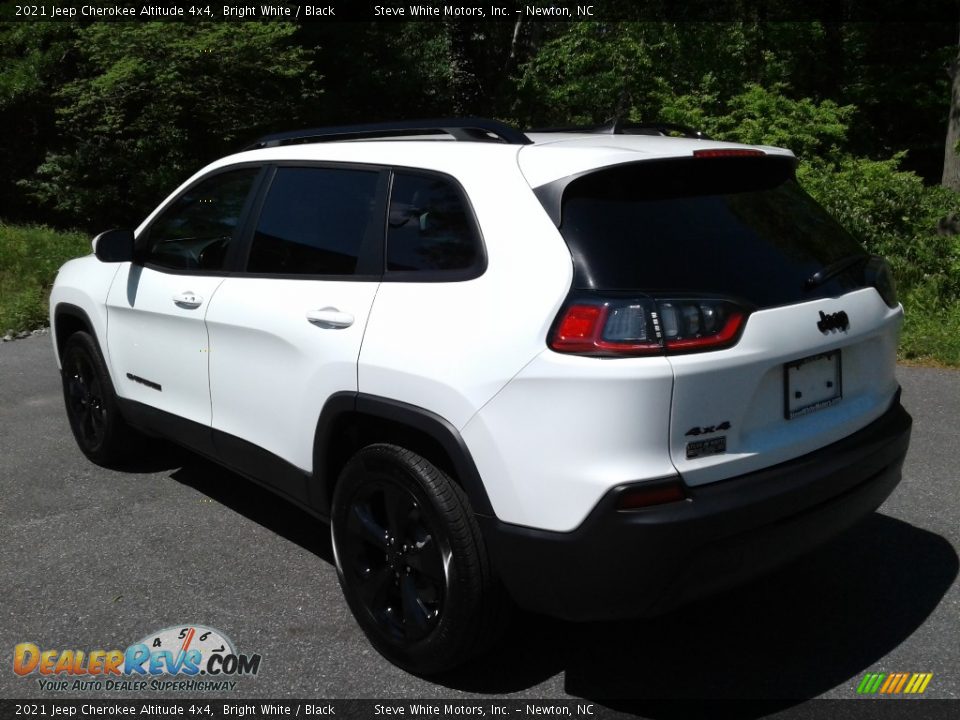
{"x":642,"y":496}
{"x":604,"y":328}
{"x":616,"y":327}
{"x":578,"y":327}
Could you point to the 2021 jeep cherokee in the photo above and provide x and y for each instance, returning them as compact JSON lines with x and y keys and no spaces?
{"x":598,"y":371}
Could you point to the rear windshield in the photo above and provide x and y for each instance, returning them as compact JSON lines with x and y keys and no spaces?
{"x":738,"y":227}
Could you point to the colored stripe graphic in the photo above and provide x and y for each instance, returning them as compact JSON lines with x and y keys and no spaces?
{"x":870,"y":683}
{"x":894,"y":683}
{"x":918,"y":683}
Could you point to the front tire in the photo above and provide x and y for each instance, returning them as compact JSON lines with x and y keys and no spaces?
{"x":411,"y":561}
{"x":100,"y":430}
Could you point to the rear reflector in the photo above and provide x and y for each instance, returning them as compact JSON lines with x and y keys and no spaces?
{"x":728,"y":152}
{"x":642,"y":496}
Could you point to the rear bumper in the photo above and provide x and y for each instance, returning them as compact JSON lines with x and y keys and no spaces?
{"x":622,"y":564}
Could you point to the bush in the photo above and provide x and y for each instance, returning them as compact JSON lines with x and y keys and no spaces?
{"x":29,"y":259}
{"x":893,"y":214}
{"x":764,"y":116}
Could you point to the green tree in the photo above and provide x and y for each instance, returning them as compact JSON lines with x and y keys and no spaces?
{"x":35,"y":59}
{"x":156,"y":100}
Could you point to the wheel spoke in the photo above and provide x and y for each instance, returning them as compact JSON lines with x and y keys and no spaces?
{"x":397,"y":506}
{"x":425,"y":559}
{"x":363,"y":525}
{"x":88,"y":424}
{"x":95,"y":392}
{"x":415,"y":615}
{"x":373,"y":587}
{"x":96,"y":417}
{"x":75,"y":390}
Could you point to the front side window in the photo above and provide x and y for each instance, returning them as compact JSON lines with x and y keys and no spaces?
{"x":314,"y":221}
{"x":196,"y":230}
{"x":430,"y":228}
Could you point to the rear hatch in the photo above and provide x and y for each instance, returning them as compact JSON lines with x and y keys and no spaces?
{"x":780,"y":329}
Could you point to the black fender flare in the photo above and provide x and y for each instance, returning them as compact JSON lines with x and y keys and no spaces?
{"x":425,"y":422}
{"x":73,"y":311}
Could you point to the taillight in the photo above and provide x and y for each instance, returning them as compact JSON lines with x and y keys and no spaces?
{"x":615,"y":327}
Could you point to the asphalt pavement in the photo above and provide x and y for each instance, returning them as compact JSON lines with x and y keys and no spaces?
{"x":98,"y":559}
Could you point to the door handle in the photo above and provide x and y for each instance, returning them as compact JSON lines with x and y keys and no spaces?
{"x":188,"y":300}
{"x":330,"y":318}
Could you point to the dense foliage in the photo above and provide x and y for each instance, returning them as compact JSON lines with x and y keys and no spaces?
{"x":107,"y":118}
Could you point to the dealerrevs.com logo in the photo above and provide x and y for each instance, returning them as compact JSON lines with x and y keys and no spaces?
{"x":188,"y":658}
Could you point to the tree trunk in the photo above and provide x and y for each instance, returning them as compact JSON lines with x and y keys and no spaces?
{"x":951,"y":160}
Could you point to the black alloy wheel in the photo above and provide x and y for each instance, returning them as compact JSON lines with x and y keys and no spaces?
{"x":84,"y":396}
{"x":396,"y":560}
{"x":411,"y":561}
{"x":99,"y":428}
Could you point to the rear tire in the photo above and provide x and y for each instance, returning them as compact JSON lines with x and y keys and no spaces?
{"x":411,"y":561}
{"x":100,"y":430}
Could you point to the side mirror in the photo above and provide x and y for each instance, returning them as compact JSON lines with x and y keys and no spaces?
{"x":114,"y":246}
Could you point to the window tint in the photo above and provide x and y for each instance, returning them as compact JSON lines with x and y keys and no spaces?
{"x":739,"y":227}
{"x":313,"y":221}
{"x":429,"y":227}
{"x":196,"y":230}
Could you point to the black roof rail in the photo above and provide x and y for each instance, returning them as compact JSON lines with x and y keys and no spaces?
{"x":620,"y":127}
{"x":471,"y":129}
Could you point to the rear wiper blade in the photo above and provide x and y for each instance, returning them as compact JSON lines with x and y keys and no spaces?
{"x":834,"y":269}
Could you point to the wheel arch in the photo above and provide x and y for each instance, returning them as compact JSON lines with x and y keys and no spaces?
{"x":350,"y":421}
{"x":68,"y":319}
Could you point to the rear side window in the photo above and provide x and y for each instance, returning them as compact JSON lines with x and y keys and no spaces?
{"x":738,"y":227}
{"x":196,"y":230}
{"x":430,"y":228}
{"x":314,"y":221}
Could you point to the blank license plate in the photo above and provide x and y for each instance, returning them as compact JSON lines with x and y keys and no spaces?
{"x":812,"y":384}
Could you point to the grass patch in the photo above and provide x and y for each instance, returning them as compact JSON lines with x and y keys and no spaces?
{"x":30,"y":256}
{"x":931,"y":333}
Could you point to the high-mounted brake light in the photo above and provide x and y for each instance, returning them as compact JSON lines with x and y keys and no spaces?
{"x":728,"y":152}
{"x":613,"y":327}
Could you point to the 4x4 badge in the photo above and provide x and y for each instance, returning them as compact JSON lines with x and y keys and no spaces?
{"x":836,"y":321}
{"x":707,"y":429}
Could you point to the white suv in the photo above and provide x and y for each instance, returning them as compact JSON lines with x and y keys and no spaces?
{"x":596,"y":371}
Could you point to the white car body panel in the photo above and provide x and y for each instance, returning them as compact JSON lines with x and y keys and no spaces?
{"x":271,"y":369}
{"x":744,"y":385}
{"x":449,"y":347}
{"x":84,"y":283}
{"x":565,"y":430}
{"x":552,"y":157}
{"x":153,"y":338}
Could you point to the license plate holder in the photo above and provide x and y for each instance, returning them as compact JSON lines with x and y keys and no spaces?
{"x":812,"y":383}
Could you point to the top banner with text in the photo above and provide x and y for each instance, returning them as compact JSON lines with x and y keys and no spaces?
{"x":486,"y":11}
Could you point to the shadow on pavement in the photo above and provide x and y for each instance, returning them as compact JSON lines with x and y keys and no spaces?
{"x":784,"y":638}
{"x":255,"y":503}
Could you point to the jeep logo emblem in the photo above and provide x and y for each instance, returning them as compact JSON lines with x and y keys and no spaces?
{"x":837,"y":321}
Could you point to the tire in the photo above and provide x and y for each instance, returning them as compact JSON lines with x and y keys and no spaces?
{"x":411,"y":561}
{"x":100,"y":430}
